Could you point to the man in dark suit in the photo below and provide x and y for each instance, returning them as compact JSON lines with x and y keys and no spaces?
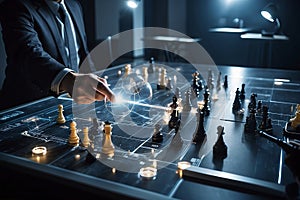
{"x":39,"y":62}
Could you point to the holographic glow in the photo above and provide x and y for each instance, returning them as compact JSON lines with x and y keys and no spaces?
{"x":124,"y":101}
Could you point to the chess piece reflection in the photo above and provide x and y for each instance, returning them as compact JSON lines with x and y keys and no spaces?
{"x":157,"y":135}
{"x":73,"y":138}
{"x":60,"y":119}
{"x":107,"y":145}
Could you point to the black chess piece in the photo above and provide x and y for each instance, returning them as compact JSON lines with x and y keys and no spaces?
{"x":196,"y":85}
{"x":151,"y":65}
{"x":220,"y":148}
{"x":252,"y":103}
{"x":266,"y":123}
{"x":175,"y":115}
{"x":169,"y":84}
{"x":242,"y":94}
{"x":157,"y":135}
{"x":236,"y":103}
{"x":225,"y":85}
{"x":259,"y":106}
{"x":187,"y":104}
{"x":177,"y":93}
{"x":200,"y":134}
{"x":206,"y":107}
{"x":93,"y":132}
{"x":251,"y":125}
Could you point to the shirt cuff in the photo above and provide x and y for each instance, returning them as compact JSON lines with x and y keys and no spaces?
{"x":57,"y":80}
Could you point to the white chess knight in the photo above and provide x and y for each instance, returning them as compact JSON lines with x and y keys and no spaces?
{"x":107,"y":145}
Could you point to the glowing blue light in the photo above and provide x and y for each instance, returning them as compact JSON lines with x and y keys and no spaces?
{"x":267,"y":15}
{"x":132,"y":4}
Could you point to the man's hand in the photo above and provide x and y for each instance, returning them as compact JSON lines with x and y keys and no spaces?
{"x":86,"y":88}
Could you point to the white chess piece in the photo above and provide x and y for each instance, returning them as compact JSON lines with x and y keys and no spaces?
{"x":73,"y":138}
{"x":60,"y":119}
{"x":107,"y":145}
{"x":86,"y":139}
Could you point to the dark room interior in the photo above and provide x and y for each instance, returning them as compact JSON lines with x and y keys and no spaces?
{"x":150,"y":99}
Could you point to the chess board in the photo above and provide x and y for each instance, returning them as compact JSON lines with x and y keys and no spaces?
{"x":251,"y":159}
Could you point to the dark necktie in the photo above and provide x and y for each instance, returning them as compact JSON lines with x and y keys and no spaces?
{"x":68,"y":37}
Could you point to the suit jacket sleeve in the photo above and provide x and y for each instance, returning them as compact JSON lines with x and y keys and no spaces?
{"x":26,"y":53}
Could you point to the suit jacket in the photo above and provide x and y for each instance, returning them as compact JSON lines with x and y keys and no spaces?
{"x":35,"y":50}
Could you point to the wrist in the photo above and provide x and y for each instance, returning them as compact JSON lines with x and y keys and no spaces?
{"x":67,"y":82}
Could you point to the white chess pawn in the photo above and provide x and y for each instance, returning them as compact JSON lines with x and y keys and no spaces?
{"x":86,"y":139}
{"x":73,"y":138}
{"x":145,"y":73}
{"x":163,"y":78}
{"x":60,"y":119}
{"x":127,"y":69}
{"x":107,"y":145}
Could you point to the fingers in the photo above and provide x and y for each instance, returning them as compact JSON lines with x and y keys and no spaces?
{"x":103,"y":88}
{"x":89,"y":88}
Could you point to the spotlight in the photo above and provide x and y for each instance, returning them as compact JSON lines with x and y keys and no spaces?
{"x":133,"y":3}
{"x":270,"y":13}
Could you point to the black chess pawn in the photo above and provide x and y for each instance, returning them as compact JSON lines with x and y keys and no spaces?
{"x":266,"y":123}
{"x":225,"y":82}
{"x":236,"y":103}
{"x":242,"y":94}
{"x":206,"y":107}
{"x":151,"y":67}
{"x":200,"y":133}
{"x":220,"y":148}
{"x":157,"y":135}
{"x":251,"y":124}
{"x":252,"y":103}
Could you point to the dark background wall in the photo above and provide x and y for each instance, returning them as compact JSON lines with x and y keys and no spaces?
{"x":228,"y":48}
{"x":195,"y":17}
